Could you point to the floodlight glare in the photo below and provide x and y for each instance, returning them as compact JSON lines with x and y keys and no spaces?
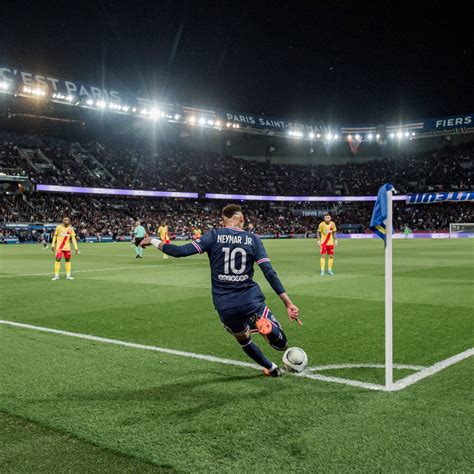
{"x":210,"y":122}
{"x":89,"y":102}
{"x":192,"y":119}
{"x":369,"y":136}
{"x":399,"y":135}
{"x":377,"y":136}
{"x":349,"y":137}
{"x":101,"y":104}
{"x":217,"y":124}
{"x":413,"y":134}
{"x":311,"y":135}
{"x":3,"y":86}
{"x":407,"y":134}
{"x":202,"y":121}
{"x":336,"y":137}
{"x":318,"y":135}
{"x":392,"y":135}
{"x":357,"y":137}
{"x":329,"y":136}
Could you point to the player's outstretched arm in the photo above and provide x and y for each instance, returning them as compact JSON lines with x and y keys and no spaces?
{"x":170,"y":249}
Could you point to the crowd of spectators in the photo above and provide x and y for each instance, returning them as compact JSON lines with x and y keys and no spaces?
{"x":56,"y":161}
{"x":170,"y":169}
{"x":107,"y":216}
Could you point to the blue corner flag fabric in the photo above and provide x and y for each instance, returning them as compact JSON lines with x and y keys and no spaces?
{"x":379,"y":214}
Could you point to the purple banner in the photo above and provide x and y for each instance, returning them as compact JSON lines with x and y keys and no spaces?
{"x":253,"y":197}
{"x":114,"y":192}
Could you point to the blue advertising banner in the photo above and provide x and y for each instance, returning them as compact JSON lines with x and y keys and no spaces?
{"x":453,"y":122}
{"x":270,"y":123}
{"x":430,"y":198}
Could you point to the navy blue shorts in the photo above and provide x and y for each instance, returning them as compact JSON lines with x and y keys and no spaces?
{"x":238,"y":320}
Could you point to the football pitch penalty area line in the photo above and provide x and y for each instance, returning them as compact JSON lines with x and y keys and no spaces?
{"x":399,"y":385}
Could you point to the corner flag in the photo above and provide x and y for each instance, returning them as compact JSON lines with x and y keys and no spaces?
{"x":380,"y":212}
{"x":382,"y":224}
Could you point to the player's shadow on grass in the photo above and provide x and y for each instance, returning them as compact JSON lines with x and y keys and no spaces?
{"x":195,"y":396}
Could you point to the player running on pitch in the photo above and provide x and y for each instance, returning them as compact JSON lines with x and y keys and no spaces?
{"x":61,"y":246}
{"x":237,"y":298}
{"x":327,"y":240}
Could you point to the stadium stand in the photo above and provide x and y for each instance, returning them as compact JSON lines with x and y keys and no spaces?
{"x":56,"y":161}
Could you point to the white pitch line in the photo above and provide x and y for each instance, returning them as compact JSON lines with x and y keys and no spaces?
{"x":94,"y":270}
{"x":428,"y":371}
{"x":401,"y":384}
{"x":319,"y":368}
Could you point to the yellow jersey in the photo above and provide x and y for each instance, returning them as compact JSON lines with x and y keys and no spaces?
{"x":62,"y":238}
{"x":197,"y":233}
{"x":163,"y":233}
{"x":327,"y":232}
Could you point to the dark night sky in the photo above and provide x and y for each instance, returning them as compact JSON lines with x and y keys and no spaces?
{"x":336,"y":61}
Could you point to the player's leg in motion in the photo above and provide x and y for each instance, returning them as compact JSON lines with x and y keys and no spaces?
{"x":269,"y":327}
{"x":57,"y":266}
{"x":67,"y":256}
{"x":236,"y":323}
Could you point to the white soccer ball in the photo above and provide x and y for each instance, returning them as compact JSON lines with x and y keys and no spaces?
{"x":295,"y":359}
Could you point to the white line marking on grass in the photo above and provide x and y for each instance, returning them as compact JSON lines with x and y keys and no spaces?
{"x":319,"y":368}
{"x":142,"y":267}
{"x":428,"y":371}
{"x":401,"y":384}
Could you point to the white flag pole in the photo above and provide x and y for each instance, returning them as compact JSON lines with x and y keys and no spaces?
{"x":388,"y":293}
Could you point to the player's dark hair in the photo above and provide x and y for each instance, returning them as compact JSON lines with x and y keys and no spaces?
{"x":230,"y":210}
{"x":327,"y":214}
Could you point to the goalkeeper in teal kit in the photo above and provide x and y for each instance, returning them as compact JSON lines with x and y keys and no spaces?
{"x":237,"y":297}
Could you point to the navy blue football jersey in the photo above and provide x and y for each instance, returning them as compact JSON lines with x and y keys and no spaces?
{"x":232,"y":253}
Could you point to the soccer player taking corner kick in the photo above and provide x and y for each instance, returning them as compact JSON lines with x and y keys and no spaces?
{"x":237,"y":297}
{"x":61,"y":246}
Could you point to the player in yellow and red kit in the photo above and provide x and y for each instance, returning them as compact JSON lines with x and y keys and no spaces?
{"x":61,"y":246}
{"x":327,"y":241}
{"x":164,"y":236}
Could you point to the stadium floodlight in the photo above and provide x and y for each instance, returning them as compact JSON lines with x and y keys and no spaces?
{"x":154,"y":114}
{"x":4,"y":85}
{"x":413,"y":134}
{"x":370,"y":136}
{"x":144,"y":112}
{"x":377,"y":136}
{"x":311,"y":135}
{"x":34,"y":91}
{"x":407,"y":134}
{"x":134,"y":109}
{"x":228,"y":125}
{"x":336,"y":136}
{"x":399,"y":134}
{"x":318,"y":135}
{"x":125,"y":108}
{"x":69,"y":98}
{"x":349,"y":137}
{"x":358,"y":137}
{"x":192,"y":119}
{"x":392,"y":135}
{"x":210,"y":122}
{"x":101,"y":104}
{"x":89,"y":102}
{"x":202,"y":121}
{"x":218,"y":123}
{"x":328,"y":136}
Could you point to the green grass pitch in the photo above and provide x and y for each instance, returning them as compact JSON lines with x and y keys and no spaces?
{"x":80,"y":405}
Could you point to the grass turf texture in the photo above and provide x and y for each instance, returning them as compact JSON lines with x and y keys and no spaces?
{"x":192,"y":415}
